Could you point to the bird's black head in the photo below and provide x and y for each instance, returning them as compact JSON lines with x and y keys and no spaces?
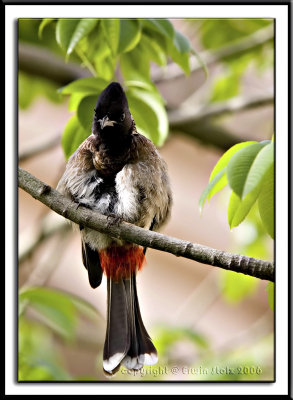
{"x":112,"y":119}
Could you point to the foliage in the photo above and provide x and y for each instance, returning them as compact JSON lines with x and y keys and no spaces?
{"x":30,"y":87}
{"x":251,"y":239}
{"x":106,"y":46}
{"x":125,"y":50}
{"x":248,"y":169}
{"x":59,"y":313}
{"x":217,"y":34}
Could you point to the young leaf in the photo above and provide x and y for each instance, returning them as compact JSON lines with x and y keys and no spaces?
{"x":266,"y":202}
{"x":205,"y":194}
{"x":43,"y":24}
{"x":181,"y":43}
{"x":239,"y":166}
{"x":85,"y":112}
{"x":135,"y":65}
{"x":111,"y":28}
{"x":155,"y":103}
{"x":223,"y":161}
{"x":130,"y":34}
{"x":73,"y":136}
{"x":261,"y":164}
{"x":182,"y":59}
{"x":153,"y":49}
{"x":86,"y":86}
{"x":74,"y":101}
{"x":238,"y":209}
{"x":162,"y":26}
{"x":225,"y":87}
{"x":54,"y":306}
{"x":145,"y":117}
{"x":105,"y":67}
{"x":221,"y":164}
{"x":70,"y":31}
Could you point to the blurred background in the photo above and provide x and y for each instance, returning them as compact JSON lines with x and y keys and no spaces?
{"x":203,"y":320}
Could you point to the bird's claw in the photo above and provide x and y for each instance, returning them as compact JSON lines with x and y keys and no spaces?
{"x":113,"y":219}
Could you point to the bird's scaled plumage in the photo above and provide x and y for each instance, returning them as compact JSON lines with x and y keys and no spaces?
{"x":118,"y":172}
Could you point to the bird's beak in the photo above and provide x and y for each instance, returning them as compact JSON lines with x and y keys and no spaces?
{"x":106,"y":122}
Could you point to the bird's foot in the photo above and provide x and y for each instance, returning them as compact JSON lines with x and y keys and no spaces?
{"x":113,"y":219}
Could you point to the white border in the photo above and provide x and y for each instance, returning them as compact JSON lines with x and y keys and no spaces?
{"x":280,"y":12}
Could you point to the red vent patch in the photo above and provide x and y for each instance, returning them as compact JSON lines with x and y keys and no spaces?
{"x":120,"y":261}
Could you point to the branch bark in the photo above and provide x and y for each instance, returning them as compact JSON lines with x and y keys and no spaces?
{"x":131,"y":233}
{"x":199,"y":123}
{"x":39,"y":148}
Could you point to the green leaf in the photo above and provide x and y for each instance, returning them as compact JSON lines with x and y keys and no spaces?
{"x":39,"y":358}
{"x":106,"y":68}
{"x":238,"y":209}
{"x":212,"y":184}
{"x":266,"y":202}
{"x":54,"y":306}
{"x":181,"y":43}
{"x":86,"y":86}
{"x":135,"y":65}
{"x":73,"y":136}
{"x":30,"y":87}
{"x":130,"y":34}
{"x":43,"y":24}
{"x":84,"y":308}
{"x":223,"y":161}
{"x":111,"y":28}
{"x":26,"y":90}
{"x":271,"y":294}
{"x":70,"y":31}
{"x":162,"y":26}
{"x":85,"y":112}
{"x":235,"y":287}
{"x":260,"y":166}
{"x":216,"y":33}
{"x":74,"y":101}
{"x":166,"y":336}
{"x":225,"y":87}
{"x":153,"y":50}
{"x":179,"y":57}
{"x":239,"y":166}
{"x":145,"y":118}
{"x":149,"y":114}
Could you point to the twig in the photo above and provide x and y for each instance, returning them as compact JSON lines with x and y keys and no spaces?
{"x":199,"y":123}
{"x":131,"y":233}
{"x":43,"y":62}
{"x":188,"y":115}
{"x":33,"y":236}
{"x":39,"y":148}
{"x":209,"y":58}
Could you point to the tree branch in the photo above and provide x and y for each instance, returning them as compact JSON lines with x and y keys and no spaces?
{"x":131,"y":233}
{"x":248,"y":43}
{"x":188,"y":115}
{"x":40,"y":61}
{"x":199,"y":122}
{"x":33,"y":235}
{"x":39,"y":148}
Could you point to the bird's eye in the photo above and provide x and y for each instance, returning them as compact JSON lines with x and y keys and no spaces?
{"x":122,"y":118}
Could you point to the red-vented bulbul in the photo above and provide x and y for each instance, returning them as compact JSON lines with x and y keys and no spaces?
{"x":118,"y":172}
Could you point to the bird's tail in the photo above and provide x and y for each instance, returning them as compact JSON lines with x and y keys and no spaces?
{"x":127,"y":341}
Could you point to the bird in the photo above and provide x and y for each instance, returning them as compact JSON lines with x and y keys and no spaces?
{"x":118,"y":172}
